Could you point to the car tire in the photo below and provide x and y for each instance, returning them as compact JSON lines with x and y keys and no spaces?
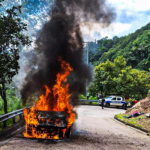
{"x":107,"y":105}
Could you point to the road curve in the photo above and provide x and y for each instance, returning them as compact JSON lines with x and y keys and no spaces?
{"x":94,"y":129}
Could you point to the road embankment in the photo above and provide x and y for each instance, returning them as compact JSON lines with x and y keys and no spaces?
{"x":141,"y":122}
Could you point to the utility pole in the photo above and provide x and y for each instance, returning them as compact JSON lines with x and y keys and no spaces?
{"x":87,"y":52}
{"x":87,"y":60}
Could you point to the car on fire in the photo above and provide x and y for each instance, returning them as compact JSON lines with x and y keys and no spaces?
{"x":53,"y":123}
{"x":112,"y":100}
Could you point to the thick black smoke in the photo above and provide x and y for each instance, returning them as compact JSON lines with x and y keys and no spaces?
{"x":61,"y":36}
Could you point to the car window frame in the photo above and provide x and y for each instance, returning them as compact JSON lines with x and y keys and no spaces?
{"x":118,"y":99}
{"x":115,"y":99}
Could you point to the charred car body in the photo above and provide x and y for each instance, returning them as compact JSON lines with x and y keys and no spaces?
{"x":52,"y":123}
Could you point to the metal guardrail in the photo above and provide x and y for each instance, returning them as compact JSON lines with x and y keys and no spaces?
{"x":10,"y":115}
{"x":90,"y":101}
{"x":18,"y":125}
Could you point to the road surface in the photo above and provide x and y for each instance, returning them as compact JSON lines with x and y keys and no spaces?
{"x":94,"y":130}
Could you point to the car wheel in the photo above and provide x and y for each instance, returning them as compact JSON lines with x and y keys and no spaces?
{"x":107,"y":104}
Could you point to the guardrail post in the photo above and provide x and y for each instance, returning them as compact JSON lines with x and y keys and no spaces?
{"x":5,"y":124}
{"x":20,"y":116}
{"x":14,"y":121}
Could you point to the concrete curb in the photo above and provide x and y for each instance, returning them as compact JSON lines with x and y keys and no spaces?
{"x":143,"y":131}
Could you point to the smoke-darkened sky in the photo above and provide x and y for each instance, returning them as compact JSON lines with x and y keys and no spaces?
{"x":61,"y":37}
{"x":131,"y":15}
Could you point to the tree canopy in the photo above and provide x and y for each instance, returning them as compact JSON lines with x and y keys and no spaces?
{"x":12,"y":36}
{"x":134,"y":47}
{"x":118,"y":78}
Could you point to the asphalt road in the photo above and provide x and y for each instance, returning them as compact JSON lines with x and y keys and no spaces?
{"x":94,"y":130}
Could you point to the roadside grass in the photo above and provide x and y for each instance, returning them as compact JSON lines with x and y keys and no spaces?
{"x":140,"y":121}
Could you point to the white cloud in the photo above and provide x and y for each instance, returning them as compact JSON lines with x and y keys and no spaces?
{"x":118,"y":28}
{"x":92,"y":31}
{"x":131,"y":15}
{"x":136,"y":5}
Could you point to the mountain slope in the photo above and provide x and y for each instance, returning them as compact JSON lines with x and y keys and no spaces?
{"x":134,"y":47}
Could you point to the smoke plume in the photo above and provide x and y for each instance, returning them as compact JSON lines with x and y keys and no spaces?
{"x":61,"y":36}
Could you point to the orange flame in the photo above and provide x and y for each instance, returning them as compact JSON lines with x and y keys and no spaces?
{"x":60,"y":102}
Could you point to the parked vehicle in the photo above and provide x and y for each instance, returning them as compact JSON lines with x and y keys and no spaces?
{"x":116,"y":101}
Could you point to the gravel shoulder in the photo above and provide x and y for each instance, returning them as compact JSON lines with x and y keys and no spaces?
{"x":94,"y":130}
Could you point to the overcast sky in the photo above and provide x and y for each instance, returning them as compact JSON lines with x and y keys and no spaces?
{"x":131,"y":15}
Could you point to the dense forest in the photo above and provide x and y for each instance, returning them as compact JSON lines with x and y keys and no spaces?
{"x":134,"y":48}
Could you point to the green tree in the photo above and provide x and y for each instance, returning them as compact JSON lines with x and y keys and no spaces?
{"x":104,"y":74}
{"x":117,"y":78}
{"x":11,"y":31}
{"x":134,"y":47}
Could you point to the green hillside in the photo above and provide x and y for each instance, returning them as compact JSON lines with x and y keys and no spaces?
{"x":134,"y":47}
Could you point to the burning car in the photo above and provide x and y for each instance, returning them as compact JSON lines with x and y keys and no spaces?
{"x":52,"y":117}
{"x":54,"y":124}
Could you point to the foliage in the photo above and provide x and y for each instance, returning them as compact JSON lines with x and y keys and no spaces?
{"x":82,"y":97}
{"x":134,"y":47}
{"x":104,"y":45}
{"x":92,"y":98}
{"x":120,"y":79}
{"x":14,"y":103}
{"x":140,"y":121}
{"x":12,"y":37}
{"x":11,"y":29}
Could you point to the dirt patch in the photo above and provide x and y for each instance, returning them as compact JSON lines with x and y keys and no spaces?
{"x":141,"y":106}
{"x":140,"y":122}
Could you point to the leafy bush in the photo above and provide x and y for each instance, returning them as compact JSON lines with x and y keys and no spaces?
{"x":92,"y":98}
{"x":13,"y":102}
{"x":82,"y":97}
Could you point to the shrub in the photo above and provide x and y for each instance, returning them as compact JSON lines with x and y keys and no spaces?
{"x":82,"y":97}
{"x":92,"y":98}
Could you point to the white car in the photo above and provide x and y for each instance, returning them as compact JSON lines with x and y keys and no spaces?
{"x":113,"y":101}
